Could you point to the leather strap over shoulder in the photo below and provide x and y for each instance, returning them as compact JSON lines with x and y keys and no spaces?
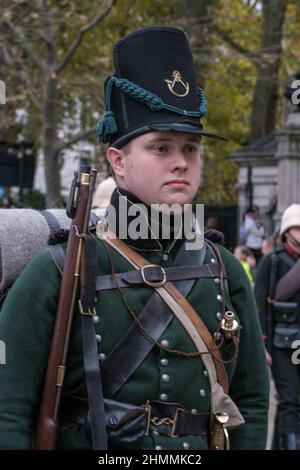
{"x":139,"y":262}
{"x":154,"y":275}
{"x":154,"y":319}
{"x":284,"y":256}
{"x":58,"y":256}
{"x":224,"y":412}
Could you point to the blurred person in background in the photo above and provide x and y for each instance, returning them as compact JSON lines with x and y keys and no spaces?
{"x":103,"y":193}
{"x":248,"y":261}
{"x":277,"y":292}
{"x":255,"y":232}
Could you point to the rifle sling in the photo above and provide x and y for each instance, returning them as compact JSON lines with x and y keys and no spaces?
{"x":286,"y":258}
{"x":51,"y":220}
{"x":273,"y":277}
{"x":96,"y":415}
{"x":58,"y":256}
{"x":289,"y":283}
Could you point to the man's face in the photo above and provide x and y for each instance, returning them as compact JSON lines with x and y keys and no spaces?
{"x":159,"y":167}
{"x":293,"y":237}
{"x":237,"y":253}
{"x":252,"y":215}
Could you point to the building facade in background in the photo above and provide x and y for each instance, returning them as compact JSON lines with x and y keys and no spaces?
{"x":269,"y":172}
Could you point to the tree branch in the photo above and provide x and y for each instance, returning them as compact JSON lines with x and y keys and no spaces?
{"x":25,"y":45}
{"x":259,"y":56}
{"x":76,"y":139}
{"x":47,"y":32}
{"x":232,"y":43}
{"x":252,"y":4}
{"x":30,"y":88}
{"x":6,"y":56}
{"x":101,"y":15}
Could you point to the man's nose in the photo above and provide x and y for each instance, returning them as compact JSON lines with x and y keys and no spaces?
{"x":179,"y":161}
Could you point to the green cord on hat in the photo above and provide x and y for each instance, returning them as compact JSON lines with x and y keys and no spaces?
{"x":107,"y":125}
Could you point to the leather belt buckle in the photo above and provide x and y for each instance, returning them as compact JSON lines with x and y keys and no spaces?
{"x":89,"y":313}
{"x":148,"y":410}
{"x":154,"y":283}
{"x":158,"y":421}
{"x":175,"y":422}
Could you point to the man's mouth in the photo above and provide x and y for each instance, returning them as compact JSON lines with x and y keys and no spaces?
{"x":177,"y":183}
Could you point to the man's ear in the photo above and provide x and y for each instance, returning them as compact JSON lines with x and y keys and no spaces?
{"x":116,"y":159}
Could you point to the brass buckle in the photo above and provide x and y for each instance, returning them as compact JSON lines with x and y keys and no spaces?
{"x":89,"y":313}
{"x":154,"y":283}
{"x":148,"y":411}
{"x":175,"y":422}
{"x":159,"y":421}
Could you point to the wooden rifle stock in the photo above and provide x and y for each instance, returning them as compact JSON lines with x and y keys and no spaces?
{"x":79,"y":206}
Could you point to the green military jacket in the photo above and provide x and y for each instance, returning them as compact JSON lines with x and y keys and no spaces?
{"x":26,"y":326}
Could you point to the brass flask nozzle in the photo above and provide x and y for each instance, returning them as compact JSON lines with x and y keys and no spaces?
{"x":229,"y":325}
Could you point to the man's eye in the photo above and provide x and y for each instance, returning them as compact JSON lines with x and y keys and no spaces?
{"x":191,"y":149}
{"x":161,"y":149}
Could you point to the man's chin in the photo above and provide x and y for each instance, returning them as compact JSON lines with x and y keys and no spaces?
{"x":172,"y":206}
{"x":179,"y":199}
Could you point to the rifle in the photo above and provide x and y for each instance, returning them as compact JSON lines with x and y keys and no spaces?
{"x":78,"y":209}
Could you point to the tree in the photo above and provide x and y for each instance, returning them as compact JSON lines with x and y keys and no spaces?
{"x":265,"y":96}
{"x":233,"y":77}
{"x":234,"y":48}
{"x":196,"y":19}
{"x":56,"y":54}
{"x":41,"y":53}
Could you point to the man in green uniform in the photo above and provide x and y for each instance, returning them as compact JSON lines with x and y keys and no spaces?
{"x":180,"y":379}
{"x":277,"y":294}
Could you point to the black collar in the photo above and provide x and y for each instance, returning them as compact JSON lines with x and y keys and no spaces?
{"x":125,"y":203}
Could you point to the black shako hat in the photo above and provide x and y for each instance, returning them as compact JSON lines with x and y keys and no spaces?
{"x":153,"y":88}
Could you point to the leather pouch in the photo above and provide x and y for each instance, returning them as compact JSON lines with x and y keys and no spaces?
{"x":285,"y":312}
{"x":125,"y":424}
{"x":285,"y":335}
